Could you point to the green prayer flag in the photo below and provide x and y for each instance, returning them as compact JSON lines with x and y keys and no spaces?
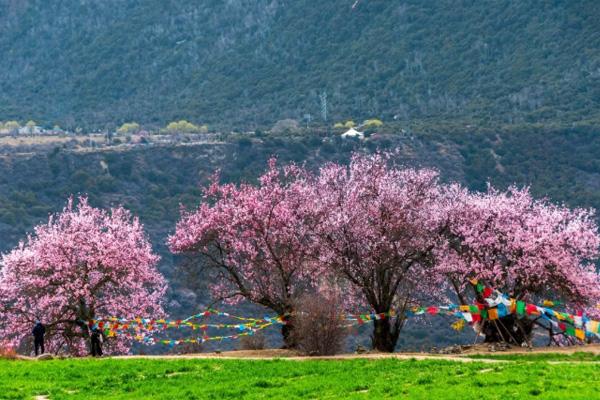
{"x":520,"y":307}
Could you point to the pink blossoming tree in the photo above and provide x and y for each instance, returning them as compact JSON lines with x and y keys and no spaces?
{"x":389,"y":237}
{"x":85,"y":263}
{"x":379,"y":230}
{"x":258,"y":239}
{"x":528,"y":249}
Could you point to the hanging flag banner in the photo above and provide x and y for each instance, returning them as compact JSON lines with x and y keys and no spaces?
{"x":497,"y":305}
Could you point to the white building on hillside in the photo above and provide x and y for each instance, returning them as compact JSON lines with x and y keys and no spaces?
{"x":353,"y":133}
{"x":31,"y":130}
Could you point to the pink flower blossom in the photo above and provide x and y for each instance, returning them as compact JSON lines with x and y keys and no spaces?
{"x":84,"y":263}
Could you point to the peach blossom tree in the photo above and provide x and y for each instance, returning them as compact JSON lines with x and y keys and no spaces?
{"x":528,"y":249}
{"x":85,"y":263}
{"x":257,"y":239}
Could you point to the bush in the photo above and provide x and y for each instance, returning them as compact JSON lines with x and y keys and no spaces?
{"x":318,"y":327}
{"x":285,"y":126}
{"x":7,"y":351}
{"x":244,"y":142}
{"x":253,"y":342}
{"x":187,"y":348}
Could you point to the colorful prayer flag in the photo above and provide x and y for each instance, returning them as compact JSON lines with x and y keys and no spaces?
{"x":520,"y":307}
{"x":492,"y":314}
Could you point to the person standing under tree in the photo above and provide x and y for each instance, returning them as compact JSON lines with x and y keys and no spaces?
{"x":96,"y":340}
{"x":38,"y":337}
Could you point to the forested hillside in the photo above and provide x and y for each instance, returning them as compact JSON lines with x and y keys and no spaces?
{"x":249,"y":63}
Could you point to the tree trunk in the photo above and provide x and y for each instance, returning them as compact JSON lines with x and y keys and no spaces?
{"x":508,"y":329}
{"x":385,"y":334}
{"x":287,"y":331}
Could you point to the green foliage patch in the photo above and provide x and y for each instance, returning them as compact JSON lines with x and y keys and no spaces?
{"x":275,"y":379}
{"x":574,"y":357}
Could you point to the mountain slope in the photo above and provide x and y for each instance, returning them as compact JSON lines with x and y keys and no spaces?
{"x":248,"y":63}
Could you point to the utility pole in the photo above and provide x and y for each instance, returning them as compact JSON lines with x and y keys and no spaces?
{"x":323,"y":97}
{"x":308,"y":119}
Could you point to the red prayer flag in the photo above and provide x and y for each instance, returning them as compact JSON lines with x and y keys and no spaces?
{"x":530,"y":309}
{"x":562,"y":326}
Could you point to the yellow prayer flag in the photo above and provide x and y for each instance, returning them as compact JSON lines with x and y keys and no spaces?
{"x":458,"y":325}
{"x":492,"y":314}
{"x":513,"y":306}
{"x":579,"y":334}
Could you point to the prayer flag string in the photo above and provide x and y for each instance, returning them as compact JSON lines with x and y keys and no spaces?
{"x":496,"y":305}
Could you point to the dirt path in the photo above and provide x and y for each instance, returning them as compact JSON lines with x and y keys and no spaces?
{"x":373,"y":356}
{"x":291,"y":355}
{"x":271,"y":354}
{"x":484,"y":350}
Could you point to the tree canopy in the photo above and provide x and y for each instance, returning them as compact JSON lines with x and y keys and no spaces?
{"x":85,"y":263}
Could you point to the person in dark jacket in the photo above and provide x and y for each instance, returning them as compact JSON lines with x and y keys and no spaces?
{"x":96,"y":339}
{"x":38,"y":337}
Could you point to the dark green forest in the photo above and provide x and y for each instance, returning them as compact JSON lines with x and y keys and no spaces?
{"x":248,"y":63}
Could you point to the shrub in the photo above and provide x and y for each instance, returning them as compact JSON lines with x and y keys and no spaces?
{"x":285,"y":126}
{"x":129,"y":127}
{"x":7,"y":351}
{"x":244,"y":142}
{"x":188,"y":348}
{"x":184,"y":126}
{"x":253,"y":342}
{"x":318,"y":326}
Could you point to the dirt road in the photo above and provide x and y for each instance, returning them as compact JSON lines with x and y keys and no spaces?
{"x":291,"y":355}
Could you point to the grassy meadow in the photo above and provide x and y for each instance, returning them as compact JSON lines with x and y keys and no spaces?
{"x":518,"y":378}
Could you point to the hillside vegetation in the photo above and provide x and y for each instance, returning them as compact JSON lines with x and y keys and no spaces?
{"x":250,"y":63}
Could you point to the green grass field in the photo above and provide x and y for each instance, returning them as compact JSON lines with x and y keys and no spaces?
{"x":534,"y":357}
{"x":286,"y":379}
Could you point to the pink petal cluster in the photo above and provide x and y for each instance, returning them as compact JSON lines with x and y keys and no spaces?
{"x":525,"y":247}
{"x":388,"y":236}
{"x":259,"y":238}
{"x":84,"y":263}
{"x":378,"y":228}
